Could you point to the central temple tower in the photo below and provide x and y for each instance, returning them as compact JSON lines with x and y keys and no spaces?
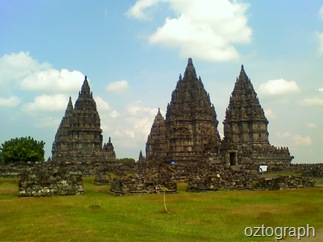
{"x":191,"y":123}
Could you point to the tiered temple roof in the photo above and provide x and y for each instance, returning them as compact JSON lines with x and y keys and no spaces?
{"x":156,"y":142}
{"x":191,"y":122}
{"x":246,"y":129}
{"x":245,"y":121}
{"x":79,"y":136}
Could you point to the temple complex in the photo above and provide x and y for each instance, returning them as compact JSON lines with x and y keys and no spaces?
{"x":189,"y":132}
{"x":79,"y":136}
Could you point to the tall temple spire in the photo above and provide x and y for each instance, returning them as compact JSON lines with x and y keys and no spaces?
{"x":85,"y":99}
{"x":245,"y":120}
{"x":80,"y":136}
{"x":191,"y":121}
{"x":85,"y":89}
{"x":245,"y":128}
{"x":190,"y":70}
{"x":69,"y":108}
{"x":156,"y":141}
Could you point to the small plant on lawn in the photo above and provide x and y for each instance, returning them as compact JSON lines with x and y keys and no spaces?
{"x":164,"y":189}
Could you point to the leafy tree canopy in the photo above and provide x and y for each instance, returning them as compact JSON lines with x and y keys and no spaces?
{"x":20,"y":150}
{"x":127,"y":160}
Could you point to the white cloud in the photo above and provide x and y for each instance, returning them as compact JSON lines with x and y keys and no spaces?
{"x":10,"y":102}
{"x":139,"y":109}
{"x":311,"y":125}
{"x":22,"y":71}
{"x":47,"y":121}
{"x":102,"y":105}
{"x":302,"y":140}
{"x":321,"y":89}
{"x":297,"y":139}
{"x":46,"y":103}
{"x":321,"y":13}
{"x":52,"y":80}
{"x":203,"y":29}
{"x":312,"y":101}
{"x":138,"y":10}
{"x":319,"y":36}
{"x":133,"y":127}
{"x":16,"y":66}
{"x":117,"y":87}
{"x":270,"y":114}
{"x":278,"y":87}
{"x":114,"y":114}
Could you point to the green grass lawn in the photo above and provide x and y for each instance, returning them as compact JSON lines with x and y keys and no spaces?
{"x":98,"y":216}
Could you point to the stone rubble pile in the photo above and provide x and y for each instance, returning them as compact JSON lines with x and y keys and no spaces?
{"x":137,"y":185}
{"x":47,"y":180}
{"x":284,"y":183}
{"x":226,"y":179}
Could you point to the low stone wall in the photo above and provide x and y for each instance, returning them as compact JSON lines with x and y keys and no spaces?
{"x":129,"y":186}
{"x":11,"y":170}
{"x":309,"y":170}
{"x":284,"y":183}
{"x":48,"y":180}
{"x":226,"y":179}
{"x":105,"y":172}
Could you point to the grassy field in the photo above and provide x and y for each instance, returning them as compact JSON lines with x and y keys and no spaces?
{"x":98,"y":216}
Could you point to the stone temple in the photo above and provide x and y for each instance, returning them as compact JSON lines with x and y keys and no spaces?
{"x":189,"y":133}
{"x":79,"y":136}
{"x":246,"y":129}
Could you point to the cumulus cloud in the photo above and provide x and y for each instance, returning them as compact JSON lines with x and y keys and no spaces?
{"x":138,"y":10}
{"x":53,"y":80}
{"x":278,"y":87}
{"x":102,"y":105}
{"x":15,"y":66}
{"x":312,"y":101}
{"x":46,"y":103}
{"x":21,"y":70}
{"x":311,"y":125}
{"x":114,"y":114}
{"x":202,"y":29}
{"x":10,"y":102}
{"x":139,"y":109}
{"x":297,"y":139}
{"x":270,"y":113}
{"x":117,"y":87}
{"x":319,"y":36}
{"x":137,"y":122}
{"x":321,"y":13}
{"x":48,"y":121}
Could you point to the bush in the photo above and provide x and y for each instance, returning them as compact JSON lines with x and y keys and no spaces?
{"x":21,"y":150}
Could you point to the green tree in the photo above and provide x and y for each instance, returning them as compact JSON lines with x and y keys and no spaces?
{"x":20,"y":150}
{"x":127,"y":160}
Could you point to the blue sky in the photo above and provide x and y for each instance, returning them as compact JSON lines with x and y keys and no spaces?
{"x":134,"y":51}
